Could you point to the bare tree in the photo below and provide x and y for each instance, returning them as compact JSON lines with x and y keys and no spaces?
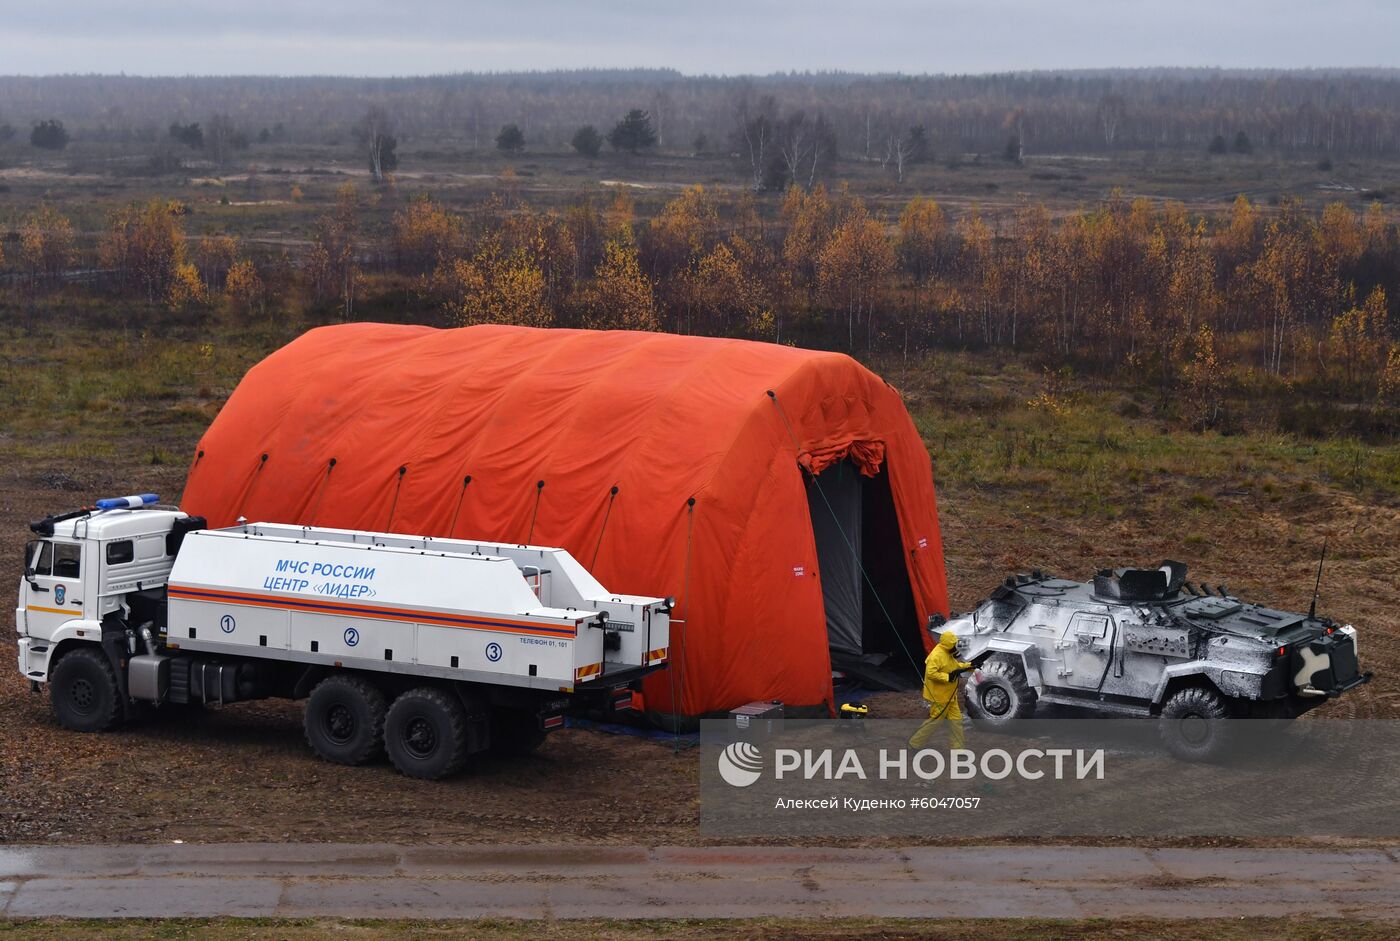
{"x":661,"y":106}
{"x":903,"y":149}
{"x":805,"y":144}
{"x":1112,"y":110}
{"x":796,"y":140}
{"x":221,"y":138}
{"x":375,"y":133}
{"x":757,"y":127}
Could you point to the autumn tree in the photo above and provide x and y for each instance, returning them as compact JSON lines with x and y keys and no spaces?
{"x":243,"y":288}
{"x":1283,"y":286}
{"x":186,"y":289}
{"x":495,"y":286}
{"x":808,"y":219}
{"x":727,"y":299}
{"x":146,"y":248}
{"x":620,"y":296}
{"x":587,"y":232}
{"x":1359,"y":338}
{"x":1388,"y":390}
{"x":853,"y":269}
{"x":682,"y":231}
{"x":977,"y":263}
{"x":1201,"y":394}
{"x":620,"y":214}
{"x":423,"y":234}
{"x":45,"y":246}
{"x":333,"y":263}
{"x":922,"y":238}
{"x":214,"y":255}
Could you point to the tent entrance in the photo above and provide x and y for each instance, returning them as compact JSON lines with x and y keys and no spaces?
{"x":872,"y":623}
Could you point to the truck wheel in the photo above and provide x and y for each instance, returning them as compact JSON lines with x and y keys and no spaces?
{"x":345,"y":719}
{"x":1194,"y":724}
{"x":1002,"y":695}
{"x":426,"y":733}
{"x":83,"y":689}
{"x":515,"y":732}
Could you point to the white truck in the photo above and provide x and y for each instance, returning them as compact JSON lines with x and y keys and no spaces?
{"x":429,"y":649}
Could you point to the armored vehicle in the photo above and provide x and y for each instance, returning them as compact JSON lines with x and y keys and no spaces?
{"x":1148,"y":642}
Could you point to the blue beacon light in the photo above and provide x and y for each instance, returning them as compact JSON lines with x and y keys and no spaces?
{"x":128,"y":503}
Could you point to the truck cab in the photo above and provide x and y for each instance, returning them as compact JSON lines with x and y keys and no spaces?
{"x":98,"y":570}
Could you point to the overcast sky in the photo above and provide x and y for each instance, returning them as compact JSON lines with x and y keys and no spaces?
{"x":412,"y":37}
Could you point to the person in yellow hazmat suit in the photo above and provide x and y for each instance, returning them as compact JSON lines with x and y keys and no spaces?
{"x":941,"y":693}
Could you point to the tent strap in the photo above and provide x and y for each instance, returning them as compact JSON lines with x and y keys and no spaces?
{"x":607,"y":514}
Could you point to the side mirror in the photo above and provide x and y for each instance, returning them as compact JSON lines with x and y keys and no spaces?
{"x":29,"y":549}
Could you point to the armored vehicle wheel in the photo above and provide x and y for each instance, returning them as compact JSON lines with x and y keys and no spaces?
{"x":1002,"y":695}
{"x":426,"y":733}
{"x":84,"y":691}
{"x":515,"y":732}
{"x":345,"y":719}
{"x":1194,"y":724}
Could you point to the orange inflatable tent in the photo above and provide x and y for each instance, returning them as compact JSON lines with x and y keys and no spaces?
{"x":782,"y":495}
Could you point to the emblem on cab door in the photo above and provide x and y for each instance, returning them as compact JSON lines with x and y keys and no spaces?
{"x":59,"y":592}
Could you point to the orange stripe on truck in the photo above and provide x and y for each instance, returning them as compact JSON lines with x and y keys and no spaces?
{"x":658,"y":654}
{"x":583,"y":673}
{"x":378,"y":612}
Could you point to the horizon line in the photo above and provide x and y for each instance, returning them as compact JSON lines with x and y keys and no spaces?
{"x":718,"y":76}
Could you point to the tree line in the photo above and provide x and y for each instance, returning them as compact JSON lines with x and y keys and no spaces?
{"x":1179,"y":301}
{"x":1313,"y":112}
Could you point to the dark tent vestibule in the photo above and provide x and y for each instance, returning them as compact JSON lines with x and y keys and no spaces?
{"x":872,"y":622}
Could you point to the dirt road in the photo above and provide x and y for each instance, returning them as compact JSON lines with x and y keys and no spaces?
{"x":629,"y":882}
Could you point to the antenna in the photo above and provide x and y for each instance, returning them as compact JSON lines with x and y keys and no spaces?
{"x":1312,"y":608}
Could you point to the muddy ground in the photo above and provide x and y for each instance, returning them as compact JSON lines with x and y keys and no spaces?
{"x":245,"y":773}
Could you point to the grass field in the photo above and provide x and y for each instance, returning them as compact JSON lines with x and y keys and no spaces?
{"x":253,"y":196}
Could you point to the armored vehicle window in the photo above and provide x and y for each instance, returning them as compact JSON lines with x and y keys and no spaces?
{"x":66,"y":560}
{"x":121,"y":552}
